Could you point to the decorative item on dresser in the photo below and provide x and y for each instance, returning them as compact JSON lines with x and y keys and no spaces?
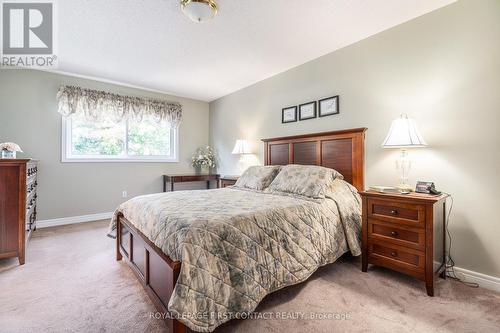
{"x":405,"y":233}
{"x":18,"y":194}
{"x":9,"y":149}
{"x":228,"y":181}
{"x":172,"y":179}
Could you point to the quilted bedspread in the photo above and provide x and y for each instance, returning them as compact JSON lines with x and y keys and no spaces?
{"x":236,"y":246}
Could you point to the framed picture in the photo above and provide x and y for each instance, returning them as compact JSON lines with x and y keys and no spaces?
{"x":329,"y":106}
{"x":289,"y":114}
{"x":307,"y":110}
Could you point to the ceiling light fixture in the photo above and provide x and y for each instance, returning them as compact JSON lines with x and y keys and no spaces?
{"x":199,"y":10}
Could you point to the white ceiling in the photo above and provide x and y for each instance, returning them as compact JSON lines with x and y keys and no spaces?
{"x":151,"y":44}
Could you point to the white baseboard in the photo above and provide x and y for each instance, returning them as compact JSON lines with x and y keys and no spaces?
{"x":483,"y":280}
{"x":73,"y":220}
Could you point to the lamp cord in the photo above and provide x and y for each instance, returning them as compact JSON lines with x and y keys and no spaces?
{"x":449,"y":262}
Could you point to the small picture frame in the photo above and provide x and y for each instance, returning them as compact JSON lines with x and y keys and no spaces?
{"x":289,"y":115}
{"x":307,"y":111}
{"x":329,"y":106}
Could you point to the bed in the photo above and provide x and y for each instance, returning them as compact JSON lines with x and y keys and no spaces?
{"x":204,"y":257}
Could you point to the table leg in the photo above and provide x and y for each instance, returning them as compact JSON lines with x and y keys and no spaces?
{"x":429,"y":285}
{"x":208,"y":184}
{"x":171,"y":186}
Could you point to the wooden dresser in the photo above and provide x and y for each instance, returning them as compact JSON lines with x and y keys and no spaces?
{"x":405,"y":233}
{"x":18,"y":195}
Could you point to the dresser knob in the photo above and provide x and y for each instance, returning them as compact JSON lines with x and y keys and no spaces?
{"x":394,"y":212}
{"x":394,"y":254}
{"x":394,"y":233}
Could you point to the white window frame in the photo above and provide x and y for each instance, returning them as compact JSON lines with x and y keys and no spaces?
{"x":68,"y":157}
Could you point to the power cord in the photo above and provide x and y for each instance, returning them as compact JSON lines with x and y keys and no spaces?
{"x":449,"y":262}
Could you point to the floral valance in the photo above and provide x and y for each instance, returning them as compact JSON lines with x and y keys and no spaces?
{"x":97,"y":105}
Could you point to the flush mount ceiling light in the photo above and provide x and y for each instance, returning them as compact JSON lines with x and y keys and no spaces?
{"x":199,"y":10}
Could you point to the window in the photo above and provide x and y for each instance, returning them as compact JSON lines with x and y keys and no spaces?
{"x":108,"y":141}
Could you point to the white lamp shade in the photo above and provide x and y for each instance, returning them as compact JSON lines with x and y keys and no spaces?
{"x":404,"y":134}
{"x":241,"y":147}
{"x":199,"y":10}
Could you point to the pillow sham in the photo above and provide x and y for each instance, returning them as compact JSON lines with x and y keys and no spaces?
{"x":308,"y":180}
{"x":258,"y":177}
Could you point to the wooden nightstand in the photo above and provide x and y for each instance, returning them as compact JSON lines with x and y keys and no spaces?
{"x":228,"y":181}
{"x":405,"y":233}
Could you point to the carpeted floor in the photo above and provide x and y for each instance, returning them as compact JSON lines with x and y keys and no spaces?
{"x":72,"y":283}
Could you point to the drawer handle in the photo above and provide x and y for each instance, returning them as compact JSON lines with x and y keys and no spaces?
{"x":394,"y":212}
{"x":394,"y":254}
{"x":394,"y":233}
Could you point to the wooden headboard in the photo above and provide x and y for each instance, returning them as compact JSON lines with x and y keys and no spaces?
{"x":342,"y":150}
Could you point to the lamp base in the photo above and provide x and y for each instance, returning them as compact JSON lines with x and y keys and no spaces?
{"x":403,"y":164}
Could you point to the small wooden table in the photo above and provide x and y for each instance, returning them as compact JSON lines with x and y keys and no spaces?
{"x":172,"y":179}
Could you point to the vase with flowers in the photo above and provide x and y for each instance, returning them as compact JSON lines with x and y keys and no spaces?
{"x":9,"y":149}
{"x":204,"y":160}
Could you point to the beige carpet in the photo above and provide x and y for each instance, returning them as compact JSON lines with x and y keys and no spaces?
{"x":72,"y":283}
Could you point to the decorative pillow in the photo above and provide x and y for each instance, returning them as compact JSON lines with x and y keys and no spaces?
{"x":308,"y":180}
{"x":258,"y":177}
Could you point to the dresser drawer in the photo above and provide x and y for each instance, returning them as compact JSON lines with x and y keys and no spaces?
{"x":397,"y":234}
{"x":391,"y":255}
{"x":397,"y":212}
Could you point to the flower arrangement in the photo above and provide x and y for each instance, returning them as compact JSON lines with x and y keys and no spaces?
{"x":9,"y":149}
{"x":204,"y":157}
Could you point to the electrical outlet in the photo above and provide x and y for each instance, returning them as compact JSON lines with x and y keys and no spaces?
{"x":124,"y":194}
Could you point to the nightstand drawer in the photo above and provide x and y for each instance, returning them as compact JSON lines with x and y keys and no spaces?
{"x":397,"y":212}
{"x":397,"y":234}
{"x":394,"y":255}
{"x":227,"y":182}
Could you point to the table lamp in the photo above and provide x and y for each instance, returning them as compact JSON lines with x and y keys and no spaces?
{"x":242,"y":148}
{"x":404,"y":134}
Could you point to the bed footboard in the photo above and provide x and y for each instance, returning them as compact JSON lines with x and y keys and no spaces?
{"x":154,"y":269}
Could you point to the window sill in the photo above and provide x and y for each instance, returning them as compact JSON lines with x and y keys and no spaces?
{"x":118,"y":160}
